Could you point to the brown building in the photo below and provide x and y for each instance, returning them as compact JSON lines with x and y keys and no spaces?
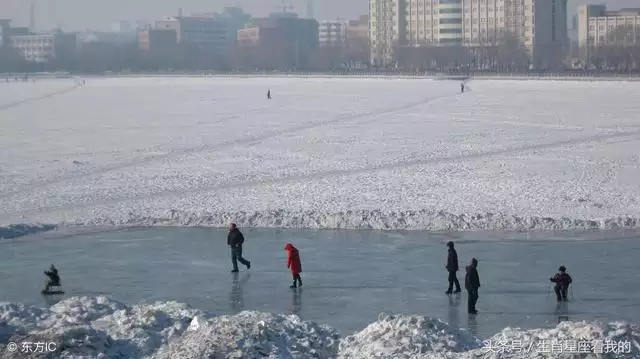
{"x":263,"y":48}
{"x":157,"y":40}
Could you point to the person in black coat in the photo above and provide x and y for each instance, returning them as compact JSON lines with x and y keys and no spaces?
{"x":562,"y":280}
{"x":235,"y":239}
{"x":54,"y":278}
{"x":452,"y":268}
{"x":472,"y":284}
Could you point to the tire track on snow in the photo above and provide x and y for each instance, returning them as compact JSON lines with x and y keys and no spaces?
{"x":249,"y":140}
{"x":233,"y":183}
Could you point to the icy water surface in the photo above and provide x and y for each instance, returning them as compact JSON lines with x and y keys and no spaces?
{"x":349,"y":276}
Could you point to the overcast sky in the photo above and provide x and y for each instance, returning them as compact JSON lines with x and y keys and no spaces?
{"x":100,"y":14}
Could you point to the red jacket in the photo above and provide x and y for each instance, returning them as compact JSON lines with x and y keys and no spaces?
{"x":293,"y":260}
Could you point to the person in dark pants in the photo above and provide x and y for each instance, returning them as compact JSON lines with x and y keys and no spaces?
{"x":54,"y":278}
{"x":562,"y":280}
{"x":452,"y":268}
{"x":235,"y":239}
{"x":472,"y":284}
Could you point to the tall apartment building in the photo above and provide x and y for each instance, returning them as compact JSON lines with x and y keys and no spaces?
{"x":539,"y":25}
{"x":597,"y":26}
{"x":332,"y":33}
{"x":5,"y":32}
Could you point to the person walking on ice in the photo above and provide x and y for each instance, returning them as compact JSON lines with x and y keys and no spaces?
{"x":562,"y":280}
{"x":472,"y":284}
{"x":293,"y":263}
{"x":269,"y":95}
{"x":235,"y":239}
{"x":462,"y":87}
{"x":452,"y":268}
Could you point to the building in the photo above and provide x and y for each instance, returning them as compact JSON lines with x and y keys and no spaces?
{"x":45,"y":47}
{"x":539,"y":26}
{"x":5,"y":32}
{"x":205,"y":32}
{"x":597,"y":26}
{"x":387,"y":29}
{"x":263,"y":48}
{"x":157,"y":40}
{"x":301,"y":36}
{"x":332,"y":33}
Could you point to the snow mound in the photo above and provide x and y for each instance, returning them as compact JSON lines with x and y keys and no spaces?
{"x":394,"y":336}
{"x":85,"y":327}
{"x":567,"y":340}
{"x":252,"y":334}
{"x":19,"y":230}
{"x":96,"y":327}
{"x":368,"y":219}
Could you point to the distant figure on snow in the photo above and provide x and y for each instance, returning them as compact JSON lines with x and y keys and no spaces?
{"x":462,"y":87}
{"x":235,"y":239}
{"x":452,"y":268}
{"x":562,"y":280}
{"x":54,"y":278}
{"x":269,"y":95}
{"x":293,"y":263}
{"x":472,"y":284}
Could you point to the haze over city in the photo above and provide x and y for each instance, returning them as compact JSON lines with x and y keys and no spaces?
{"x":98,"y":15}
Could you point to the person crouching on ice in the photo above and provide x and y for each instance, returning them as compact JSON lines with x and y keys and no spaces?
{"x":562,"y":280}
{"x":293,"y":263}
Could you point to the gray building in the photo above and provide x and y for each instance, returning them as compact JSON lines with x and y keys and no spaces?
{"x":301,"y":36}
{"x":205,"y":32}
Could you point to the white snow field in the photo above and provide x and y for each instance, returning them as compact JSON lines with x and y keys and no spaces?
{"x":102,"y":328}
{"x":324,"y":153}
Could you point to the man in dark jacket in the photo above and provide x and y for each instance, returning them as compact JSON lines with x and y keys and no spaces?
{"x":472,"y":284}
{"x":562,"y":280}
{"x":452,"y":268}
{"x":235,"y":239}
{"x":54,"y":278}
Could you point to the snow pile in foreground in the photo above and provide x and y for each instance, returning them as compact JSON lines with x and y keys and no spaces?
{"x":102,"y":328}
{"x":367,"y":219}
{"x":407,"y":337}
{"x":252,"y":334}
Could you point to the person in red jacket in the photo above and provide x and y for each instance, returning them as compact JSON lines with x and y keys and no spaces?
{"x":293,"y":263}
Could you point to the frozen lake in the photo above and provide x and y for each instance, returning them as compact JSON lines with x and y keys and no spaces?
{"x":324,"y":153}
{"x":349,"y":277}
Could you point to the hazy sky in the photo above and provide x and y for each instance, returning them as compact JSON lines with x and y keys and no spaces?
{"x":99,"y":14}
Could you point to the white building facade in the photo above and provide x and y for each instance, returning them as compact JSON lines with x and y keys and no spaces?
{"x":332,"y":33}
{"x":597,"y":26}
{"x":538,"y":25}
{"x":44,"y":47}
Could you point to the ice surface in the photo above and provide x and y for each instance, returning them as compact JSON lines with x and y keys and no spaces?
{"x":325,"y":153}
{"x":98,"y":327}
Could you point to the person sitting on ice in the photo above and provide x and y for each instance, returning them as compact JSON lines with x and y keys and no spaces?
{"x":54,"y":278}
{"x":562,"y":280}
{"x":293,"y":263}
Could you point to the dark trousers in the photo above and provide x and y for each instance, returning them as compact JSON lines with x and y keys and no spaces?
{"x":472,"y":300}
{"x":453,"y":279}
{"x":297,"y":279}
{"x":561,"y":292}
{"x":236,"y":255}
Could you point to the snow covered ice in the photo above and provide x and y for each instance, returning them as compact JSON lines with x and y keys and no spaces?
{"x":324,"y":153}
{"x":99,"y":327}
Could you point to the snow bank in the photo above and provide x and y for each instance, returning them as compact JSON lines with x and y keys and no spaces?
{"x":369,"y":219}
{"x":407,"y":337}
{"x":102,"y":328}
{"x":18,"y":230}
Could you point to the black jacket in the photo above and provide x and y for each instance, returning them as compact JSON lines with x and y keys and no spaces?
{"x":235,"y":238}
{"x":452,"y":260}
{"x":53,"y":276}
{"x":472,"y":279}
